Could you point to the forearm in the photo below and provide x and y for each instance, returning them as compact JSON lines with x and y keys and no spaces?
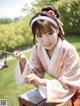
{"x":22,"y":64}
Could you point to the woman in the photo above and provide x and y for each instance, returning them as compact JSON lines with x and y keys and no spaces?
{"x":51,"y":54}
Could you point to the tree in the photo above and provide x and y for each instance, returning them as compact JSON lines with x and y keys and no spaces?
{"x":69,"y":13}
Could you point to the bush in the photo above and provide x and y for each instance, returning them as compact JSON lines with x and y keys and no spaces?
{"x":15,"y":35}
{"x":69,"y":10}
{"x":70,"y":15}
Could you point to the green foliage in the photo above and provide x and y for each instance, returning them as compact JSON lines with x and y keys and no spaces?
{"x":5,"y":21}
{"x":15,"y":35}
{"x":75,"y":40}
{"x":69,"y":13}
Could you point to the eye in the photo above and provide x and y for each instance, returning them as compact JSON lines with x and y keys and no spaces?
{"x":50,"y":33}
{"x":39,"y":35}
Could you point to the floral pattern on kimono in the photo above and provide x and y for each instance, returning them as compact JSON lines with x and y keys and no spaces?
{"x":65,"y":72}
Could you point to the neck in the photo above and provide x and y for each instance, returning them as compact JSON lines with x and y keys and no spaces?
{"x":50,"y":52}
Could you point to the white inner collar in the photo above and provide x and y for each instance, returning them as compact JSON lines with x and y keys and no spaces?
{"x":54,"y":58}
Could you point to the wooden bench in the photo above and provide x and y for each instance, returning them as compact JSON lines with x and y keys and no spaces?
{"x":33,"y":98}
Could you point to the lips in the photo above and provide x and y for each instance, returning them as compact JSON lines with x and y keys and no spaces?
{"x":48,"y":45}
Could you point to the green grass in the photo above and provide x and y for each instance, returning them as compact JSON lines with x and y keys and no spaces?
{"x":8,"y":88}
{"x":75,"y":40}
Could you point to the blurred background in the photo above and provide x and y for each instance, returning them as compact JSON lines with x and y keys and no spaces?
{"x":15,"y":34}
{"x":16,"y":14}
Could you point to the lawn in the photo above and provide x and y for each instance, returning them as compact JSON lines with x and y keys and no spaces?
{"x":75,"y":40}
{"x":8,"y":88}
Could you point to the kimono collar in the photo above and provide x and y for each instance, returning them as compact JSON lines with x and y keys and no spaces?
{"x":53,"y":62}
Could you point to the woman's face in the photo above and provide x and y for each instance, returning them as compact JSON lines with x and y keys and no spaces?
{"x":48,"y":40}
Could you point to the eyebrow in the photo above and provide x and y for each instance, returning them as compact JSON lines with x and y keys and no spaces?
{"x":44,"y":33}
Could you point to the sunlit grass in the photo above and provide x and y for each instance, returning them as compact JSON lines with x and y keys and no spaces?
{"x":8,"y":88}
{"x":75,"y":40}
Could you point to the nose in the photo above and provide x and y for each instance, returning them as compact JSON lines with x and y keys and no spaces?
{"x":46,"y":40}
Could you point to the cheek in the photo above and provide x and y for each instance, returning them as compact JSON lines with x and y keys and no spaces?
{"x":39,"y":41}
{"x":54,"y":38}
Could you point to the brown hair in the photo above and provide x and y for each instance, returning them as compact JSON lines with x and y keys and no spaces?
{"x":42,"y":25}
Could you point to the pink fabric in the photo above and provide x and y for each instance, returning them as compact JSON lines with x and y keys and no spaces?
{"x":66,"y":74}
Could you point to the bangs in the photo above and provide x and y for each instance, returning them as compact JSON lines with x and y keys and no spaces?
{"x":42,"y":27}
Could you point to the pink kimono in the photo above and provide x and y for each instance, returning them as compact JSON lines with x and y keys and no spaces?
{"x":63,"y":67}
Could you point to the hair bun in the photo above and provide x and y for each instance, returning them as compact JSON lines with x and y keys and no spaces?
{"x":48,"y":8}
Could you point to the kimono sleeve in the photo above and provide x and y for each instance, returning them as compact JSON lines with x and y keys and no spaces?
{"x":71,"y":69}
{"x":18,"y":76}
{"x":33,"y":64}
{"x":63,"y":88}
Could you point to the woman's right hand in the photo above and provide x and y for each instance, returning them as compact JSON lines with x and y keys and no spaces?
{"x":19,"y":55}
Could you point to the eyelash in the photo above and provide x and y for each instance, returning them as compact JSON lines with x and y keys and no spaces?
{"x":50,"y":33}
{"x":39,"y":35}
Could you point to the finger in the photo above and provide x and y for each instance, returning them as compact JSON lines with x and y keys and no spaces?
{"x":19,"y":55}
{"x":29,"y":78}
{"x":34,"y":83}
{"x":30,"y":81}
{"x":29,"y":75}
{"x":15,"y":53}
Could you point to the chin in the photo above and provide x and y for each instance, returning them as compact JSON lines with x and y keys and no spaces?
{"x":48,"y":48}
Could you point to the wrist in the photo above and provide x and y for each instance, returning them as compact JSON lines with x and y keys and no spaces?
{"x":22,"y":63}
{"x":23,"y":60}
{"x":43,"y":82}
